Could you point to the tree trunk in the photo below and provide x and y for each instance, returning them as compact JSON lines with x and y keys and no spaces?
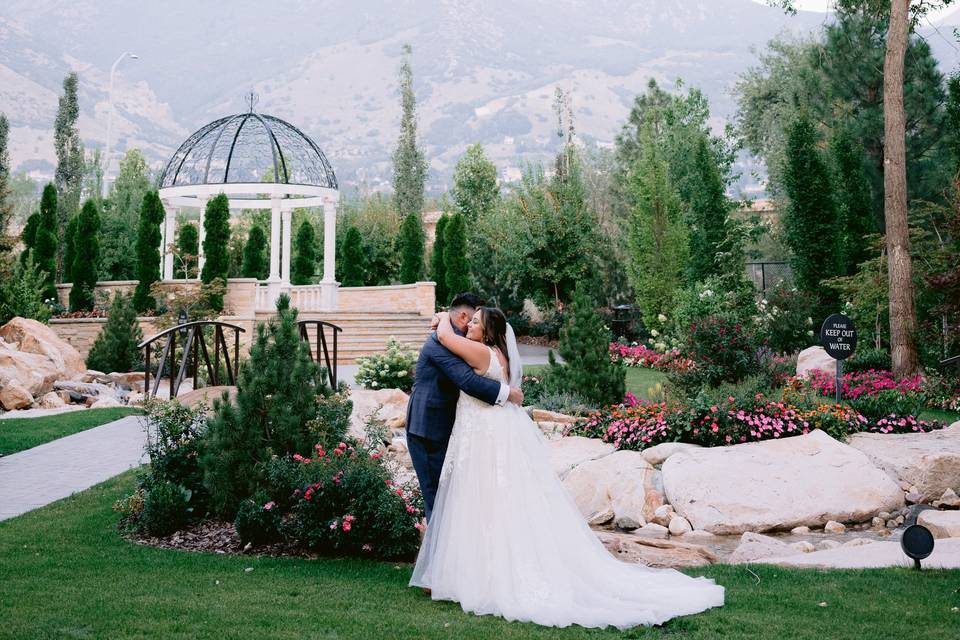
{"x":903,"y":321}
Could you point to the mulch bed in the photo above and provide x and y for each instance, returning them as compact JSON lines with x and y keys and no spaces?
{"x":215,"y":536}
{"x":539,"y":341}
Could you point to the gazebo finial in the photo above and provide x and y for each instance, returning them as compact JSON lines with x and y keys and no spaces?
{"x":251,"y":100}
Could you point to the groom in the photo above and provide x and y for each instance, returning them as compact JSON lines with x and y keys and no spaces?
{"x":432,"y":407}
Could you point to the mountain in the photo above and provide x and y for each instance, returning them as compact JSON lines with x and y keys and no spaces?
{"x":484,"y":71}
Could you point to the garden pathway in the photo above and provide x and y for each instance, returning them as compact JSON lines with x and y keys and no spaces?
{"x":46,"y":473}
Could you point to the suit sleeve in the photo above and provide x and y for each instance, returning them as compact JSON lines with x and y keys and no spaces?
{"x":466,"y":379}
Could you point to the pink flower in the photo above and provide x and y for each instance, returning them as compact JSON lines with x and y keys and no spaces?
{"x":269,"y":505}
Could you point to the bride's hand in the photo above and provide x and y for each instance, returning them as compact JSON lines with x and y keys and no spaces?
{"x":437,"y":319}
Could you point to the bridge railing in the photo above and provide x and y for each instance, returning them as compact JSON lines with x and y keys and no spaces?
{"x":194,"y":347}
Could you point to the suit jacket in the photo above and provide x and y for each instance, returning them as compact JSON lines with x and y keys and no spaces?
{"x":440,"y":376}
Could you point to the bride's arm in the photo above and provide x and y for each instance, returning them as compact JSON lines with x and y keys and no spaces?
{"x":473,"y":353}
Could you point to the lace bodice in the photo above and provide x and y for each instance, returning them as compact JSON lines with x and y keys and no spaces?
{"x":495,"y":370}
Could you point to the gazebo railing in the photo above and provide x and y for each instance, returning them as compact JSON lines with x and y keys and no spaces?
{"x":193,"y":346}
{"x":323,"y":346}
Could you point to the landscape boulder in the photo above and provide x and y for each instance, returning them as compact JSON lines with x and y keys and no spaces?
{"x":33,"y":372}
{"x":942,"y":524}
{"x":777,"y":484}
{"x":755,"y":546}
{"x":622,"y":482}
{"x":389,"y":405}
{"x":14,"y":396}
{"x":653,"y":552}
{"x":568,"y":453}
{"x":815,"y":359}
{"x":928,"y":462}
{"x":32,"y":336}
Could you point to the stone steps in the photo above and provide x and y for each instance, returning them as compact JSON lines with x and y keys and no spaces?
{"x":368,"y":333}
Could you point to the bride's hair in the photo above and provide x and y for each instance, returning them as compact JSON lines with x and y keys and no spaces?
{"x":494,"y":326}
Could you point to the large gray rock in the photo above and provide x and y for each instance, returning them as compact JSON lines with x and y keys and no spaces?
{"x":754,"y":546}
{"x":567,"y":453}
{"x":622,"y":482}
{"x":777,"y":484}
{"x":942,"y":524}
{"x":872,"y":555}
{"x":657,"y":454}
{"x":930,"y":462}
{"x":815,"y":358}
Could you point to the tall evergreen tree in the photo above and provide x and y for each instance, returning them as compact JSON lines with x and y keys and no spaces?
{"x":810,"y":215}
{"x":45,"y":244}
{"x":854,"y":202}
{"x":411,"y":248}
{"x":120,"y":218}
{"x":70,"y":252}
{"x":455,"y":261}
{"x":354,"y":263}
{"x":658,"y":238}
{"x":475,"y":190}
{"x":438,"y":270}
{"x":70,"y":164}
{"x":6,"y":191}
{"x":115,"y":348}
{"x":585,"y":349}
{"x":87,"y":258}
{"x":188,"y":250}
{"x":409,"y":164}
{"x":305,"y":256}
{"x":148,"y":250}
{"x":255,"y":264}
{"x":29,"y":236}
{"x":216,"y":227}
{"x":708,"y":209}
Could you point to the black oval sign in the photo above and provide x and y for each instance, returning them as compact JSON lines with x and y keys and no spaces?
{"x":838,"y":336}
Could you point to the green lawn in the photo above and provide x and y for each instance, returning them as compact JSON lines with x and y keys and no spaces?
{"x":640,"y":381}
{"x":19,"y":434}
{"x":67,"y":574}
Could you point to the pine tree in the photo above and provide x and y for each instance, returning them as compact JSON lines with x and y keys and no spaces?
{"x":255,"y":264}
{"x":188,"y":250}
{"x":808,"y":219}
{"x":438,"y":269}
{"x":148,"y":250}
{"x":45,"y":243}
{"x":475,"y":190}
{"x":70,"y":165}
{"x":854,"y":202}
{"x":276,"y":401}
{"x":29,"y":236}
{"x":587,"y":370}
{"x":305,"y":256}
{"x":6,"y":192}
{"x":354,"y":266}
{"x":409,"y":164}
{"x":115,"y":349}
{"x":411,"y":248}
{"x":216,"y":226}
{"x":707,"y":214}
{"x":22,"y":295}
{"x":70,"y":253}
{"x":455,"y":261}
{"x":87,"y":258}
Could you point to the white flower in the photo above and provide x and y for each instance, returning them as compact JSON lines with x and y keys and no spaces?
{"x":402,"y":374}
{"x":374,"y":384}
{"x":809,"y":332}
{"x":661,"y":317}
{"x":654,"y":333}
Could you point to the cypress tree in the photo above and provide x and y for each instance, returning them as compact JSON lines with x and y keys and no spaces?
{"x":305,"y":258}
{"x":354,"y":264}
{"x":411,"y":248}
{"x":808,"y":219}
{"x":70,"y":164}
{"x":45,"y":243}
{"x":148,"y":250}
{"x":6,"y":202}
{"x":586,"y":370}
{"x":455,"y":261}
{"x":115,"y":348}
{"x":437,"y":261}
{"x":216,"y":226}
{"x":255,"y":264}
{"x":707,"y":213}
{"x":854,"y":202}
{"x":188,"y":250}
{"x":409,"y":164}
{"x":87,"y":258}
{"x":70,"y":253}
{"x":29,"y":236}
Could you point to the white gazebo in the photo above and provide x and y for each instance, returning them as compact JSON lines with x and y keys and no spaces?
{"x":259,"y":162}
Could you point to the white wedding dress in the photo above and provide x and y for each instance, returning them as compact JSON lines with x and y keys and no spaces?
{"x":505,"y":537}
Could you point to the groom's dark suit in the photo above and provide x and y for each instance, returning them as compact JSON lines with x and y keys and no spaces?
{"x":433,"y":407}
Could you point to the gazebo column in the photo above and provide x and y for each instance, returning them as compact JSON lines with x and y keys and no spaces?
{"x":201,"y":234}
{"x":329,"y":284}
{"x":285,"y":262}
{"x":169,"y":229}
{"x":274,"y":286}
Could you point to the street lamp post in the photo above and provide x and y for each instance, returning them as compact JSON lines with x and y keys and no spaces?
{"x":106,"y":160}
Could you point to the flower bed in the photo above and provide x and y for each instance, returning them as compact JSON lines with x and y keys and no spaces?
{"x":638,"y":355}
{"x":864,"y":383}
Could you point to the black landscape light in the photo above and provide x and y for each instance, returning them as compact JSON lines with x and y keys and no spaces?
{"x":182,"y":319}
{"x":917,"y":543}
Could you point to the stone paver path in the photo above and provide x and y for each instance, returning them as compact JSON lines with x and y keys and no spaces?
{"x":46,"y":473}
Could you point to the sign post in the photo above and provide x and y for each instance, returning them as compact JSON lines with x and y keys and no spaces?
{"x":838,"y":337}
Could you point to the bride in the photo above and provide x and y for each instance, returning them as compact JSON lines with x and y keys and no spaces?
{"x":505,"y":537}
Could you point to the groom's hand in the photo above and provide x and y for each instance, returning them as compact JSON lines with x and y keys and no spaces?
{"x":516,"y":396}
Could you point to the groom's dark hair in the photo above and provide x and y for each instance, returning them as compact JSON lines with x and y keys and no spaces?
{"x":467,"y":299}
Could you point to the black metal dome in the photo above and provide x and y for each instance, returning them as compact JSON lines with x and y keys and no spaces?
{"x":248,"y":147}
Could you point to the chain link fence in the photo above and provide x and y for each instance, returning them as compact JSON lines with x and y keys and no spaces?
{"x":767,"y":275}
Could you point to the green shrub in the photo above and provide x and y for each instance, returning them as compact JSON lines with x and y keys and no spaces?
{"x":87,"y":258}
{"x":174,"y":441}
{"x":115,"y":348}
{"x":563,"y":402}
{"x":712,"y":297}
{"x":866,"y":358}
{"x":258,"y":522}
{"x":391,"y":369}
{"x":22,"y":295}
{"x":333,"y":417}
{"x":786,"y":319}
{"x":889,"y":402}
{"x":166,"y":507}
{"x":723,"y":349}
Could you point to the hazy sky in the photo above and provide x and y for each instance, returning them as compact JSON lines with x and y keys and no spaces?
{"x":823,"y":5}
